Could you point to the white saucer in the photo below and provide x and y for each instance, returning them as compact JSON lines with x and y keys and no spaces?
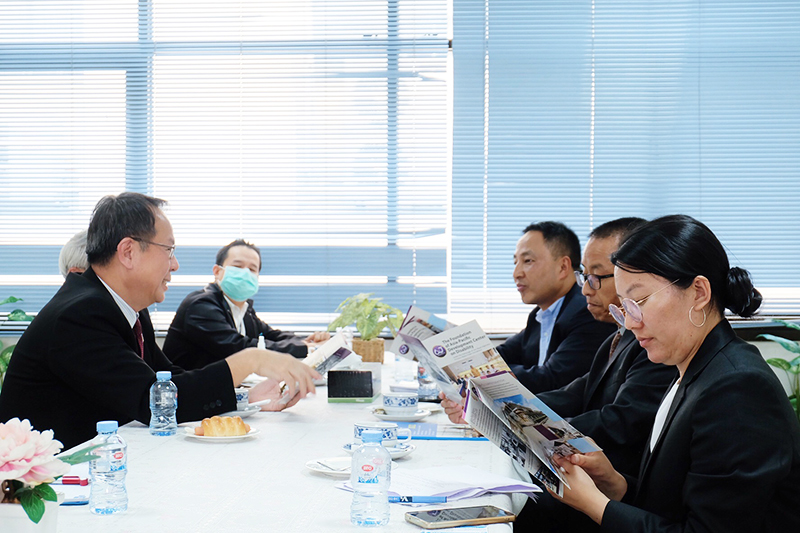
{"x":419,"y":415}
{"x":333,"y":466}
{"x":396,"y":452}
{"x":189,"y":432}
{"x":250,"y":410}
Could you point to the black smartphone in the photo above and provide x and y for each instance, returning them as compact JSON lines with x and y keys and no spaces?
{"x":459,"y":516}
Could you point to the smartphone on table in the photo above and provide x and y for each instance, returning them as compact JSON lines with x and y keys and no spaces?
{"x":459,"y":516}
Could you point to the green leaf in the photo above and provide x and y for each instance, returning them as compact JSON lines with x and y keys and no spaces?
{"x":370,"y":316}
{"x":5,"y":355}
{"x":18,"y":315}
{"x":367,"y":326}
{"x":45,"y":492}
{"x":80,"y":456}
{"x":32,"y":505}
{"x":792,"y":346}
{"x":790,"y":325}
{"x":779,"y":363}
{"x":11,"y":300}
{"x":795,"y":365}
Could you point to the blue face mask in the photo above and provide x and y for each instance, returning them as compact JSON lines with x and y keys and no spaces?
{"x":239,"y":284}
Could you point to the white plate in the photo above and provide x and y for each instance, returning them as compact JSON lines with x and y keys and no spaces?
{"x":431,"y":406}
{"x":250,"y":410}
{"x":401,"y":450}
{"x":419,"y":415}
{"x":339,"y":466}
{"x":190,"y":433}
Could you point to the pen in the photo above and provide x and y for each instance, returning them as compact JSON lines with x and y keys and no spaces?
{"x":78,"y":500}
{"x":71,"y":480}
{"x":417,"y":499}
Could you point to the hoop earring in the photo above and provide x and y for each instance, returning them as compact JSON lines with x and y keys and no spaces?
{"x":703,"y":323}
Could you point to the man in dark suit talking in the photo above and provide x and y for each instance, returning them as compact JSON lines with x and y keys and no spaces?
{"x":91,"y":352}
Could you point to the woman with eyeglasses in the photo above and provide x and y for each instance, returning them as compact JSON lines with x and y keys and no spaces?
{"x":724,"y":452}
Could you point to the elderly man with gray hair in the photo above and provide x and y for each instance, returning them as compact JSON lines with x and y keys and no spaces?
{"x":73,"y":255}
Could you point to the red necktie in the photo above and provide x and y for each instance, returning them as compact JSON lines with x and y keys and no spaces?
{"x":137,"y":330}
{"x":614,"y":343}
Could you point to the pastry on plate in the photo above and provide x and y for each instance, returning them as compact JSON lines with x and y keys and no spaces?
{"x":222,"y":426}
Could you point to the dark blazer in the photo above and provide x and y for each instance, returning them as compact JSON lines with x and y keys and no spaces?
{"x":615,"y":403}
{"x":78,"y":363}
{"x":575,"y":339}
{"x":728,"y":458}
{"x":203,"y":331}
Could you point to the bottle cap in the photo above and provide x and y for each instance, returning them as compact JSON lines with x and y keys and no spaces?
{"x":372,"y":435}
{"x":107,"y":426}
{"x":163,"y":375}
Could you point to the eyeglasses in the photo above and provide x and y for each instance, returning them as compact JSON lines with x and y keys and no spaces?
{"x":631,"y":307}
{"x":167,"y":247}
{"x":593,"y":280}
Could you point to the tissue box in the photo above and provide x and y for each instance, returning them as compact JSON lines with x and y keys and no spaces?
{"x":354,"y":386}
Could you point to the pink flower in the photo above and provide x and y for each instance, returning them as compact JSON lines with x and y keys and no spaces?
{"x":28,"y":455}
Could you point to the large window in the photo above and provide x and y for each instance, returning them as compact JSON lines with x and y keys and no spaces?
{"x":317,"y":129}
{"x":590,"y":110}
{"x":364,"y":152}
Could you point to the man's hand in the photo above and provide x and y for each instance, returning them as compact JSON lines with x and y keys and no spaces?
{"x":316,"y":337}
{"x":454,"y":411}
{"x":269,"y":389}
{"x":278,"y":366}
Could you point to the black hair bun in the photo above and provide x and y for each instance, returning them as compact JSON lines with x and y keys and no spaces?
{"x":742,"y":297}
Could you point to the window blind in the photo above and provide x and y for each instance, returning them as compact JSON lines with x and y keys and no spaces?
{"x":587,"y":111}
{"x":316,"y":129}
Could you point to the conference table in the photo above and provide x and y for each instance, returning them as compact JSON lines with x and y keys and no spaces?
{"x":262,"y":483}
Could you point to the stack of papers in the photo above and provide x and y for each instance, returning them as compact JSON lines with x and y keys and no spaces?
{"x":456,"y":483}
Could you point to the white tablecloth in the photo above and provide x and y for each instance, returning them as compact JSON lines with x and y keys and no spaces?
{"x":261,"y":483}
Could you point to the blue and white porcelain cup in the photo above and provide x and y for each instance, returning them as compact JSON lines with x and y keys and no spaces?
{"x":400,"y":403}
{"x":391,"y":433}
{"x":242,"y":398}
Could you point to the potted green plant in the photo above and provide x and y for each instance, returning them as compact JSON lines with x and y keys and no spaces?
{"x":370,"y":316}
{"x":17,"y":315}
{"x":792,"y":368}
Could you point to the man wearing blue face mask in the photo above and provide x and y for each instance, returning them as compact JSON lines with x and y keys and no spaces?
{"x":219,"y":320}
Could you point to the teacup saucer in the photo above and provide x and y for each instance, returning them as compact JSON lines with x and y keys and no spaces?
{"x":396,"y":452}
{"x":414,"y":417}
{"x":244,"y":413}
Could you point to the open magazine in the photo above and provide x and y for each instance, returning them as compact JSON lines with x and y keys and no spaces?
{"x":499,"y":406}
{"x":419,"y":324}
{"x":328,"y":355}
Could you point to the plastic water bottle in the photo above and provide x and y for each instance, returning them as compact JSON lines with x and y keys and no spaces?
{"x":163,"y":404}
{"x":108,"y":494}
{"x":262,"y":344}
{"x":370,"y":476}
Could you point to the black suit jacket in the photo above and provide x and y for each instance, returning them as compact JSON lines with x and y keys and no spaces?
{"x":615,"y":403}
{"x":78,"y":363}
{"x":575,"y":339}
{"x":728,"y":458}
{"x":203,"y":331}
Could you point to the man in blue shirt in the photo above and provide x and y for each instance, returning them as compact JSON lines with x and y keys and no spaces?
{"x":561,"y":337}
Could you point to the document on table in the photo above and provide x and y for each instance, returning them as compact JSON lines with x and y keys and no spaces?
{"x":455,"y":482}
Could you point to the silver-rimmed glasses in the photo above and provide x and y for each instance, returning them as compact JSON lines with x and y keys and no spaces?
{"x":631,"y":307}
{"x":168,"y":247}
